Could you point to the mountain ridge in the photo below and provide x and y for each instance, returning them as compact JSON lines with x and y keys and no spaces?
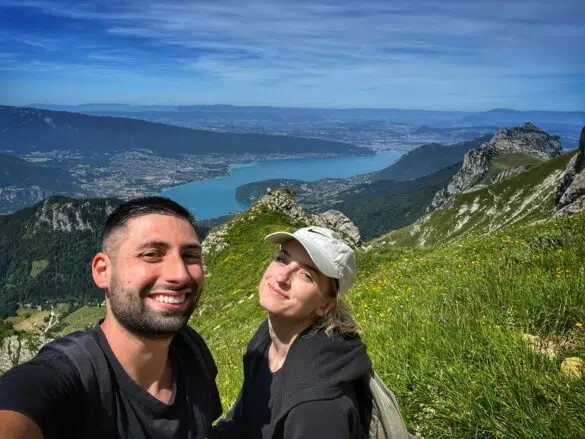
{"x":527,"y":140}
{"x":60,"y":130}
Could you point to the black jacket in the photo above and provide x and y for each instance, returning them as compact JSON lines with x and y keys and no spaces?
{"x":319,"y":380}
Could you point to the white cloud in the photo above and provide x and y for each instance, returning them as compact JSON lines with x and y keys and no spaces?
{"x":371,"y":49}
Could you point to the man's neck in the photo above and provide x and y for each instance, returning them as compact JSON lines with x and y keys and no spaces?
{"x":146,"y":361}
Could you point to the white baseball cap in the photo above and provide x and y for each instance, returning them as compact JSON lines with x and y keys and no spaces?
{"x":332,"y":256}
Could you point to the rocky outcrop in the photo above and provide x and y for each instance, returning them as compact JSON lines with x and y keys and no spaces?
{"x":69,"y":214}
{"x":13,"y":198}
{"x":16,"y":349}
{"x":571,"y":190}
{"x":283,"y":201}
{"x":527,"y":139}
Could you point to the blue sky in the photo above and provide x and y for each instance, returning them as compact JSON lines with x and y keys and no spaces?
{"x":449,"y":54}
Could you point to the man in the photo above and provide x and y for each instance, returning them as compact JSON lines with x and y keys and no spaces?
{"x":142,"y":373}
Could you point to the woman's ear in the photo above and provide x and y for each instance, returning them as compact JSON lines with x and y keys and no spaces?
{"x":325,"y":308}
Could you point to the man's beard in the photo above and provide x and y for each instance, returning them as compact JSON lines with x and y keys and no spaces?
{"x":131,"y":311}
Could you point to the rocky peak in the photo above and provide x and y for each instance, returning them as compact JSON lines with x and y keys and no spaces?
{"x":571,"y":191}
{"x":68,"y":214}
{"x":283,"y":201}
{"x":527,"y":139}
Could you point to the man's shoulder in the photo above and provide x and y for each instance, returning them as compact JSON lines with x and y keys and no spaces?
{"x":48,"y":374}
{"x":195,"y":355}
{"x":74,"y":347}
{"x":54,"y":354}
{"x":196,"y":348}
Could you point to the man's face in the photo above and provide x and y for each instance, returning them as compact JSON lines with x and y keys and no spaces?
{"x":156,"y":275}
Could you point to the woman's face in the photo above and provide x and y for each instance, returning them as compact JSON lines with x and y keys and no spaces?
{"x":293,"y":287}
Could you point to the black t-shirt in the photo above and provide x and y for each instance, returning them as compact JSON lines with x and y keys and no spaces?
{"x":260,"y":402}
{"x":49,"y":391}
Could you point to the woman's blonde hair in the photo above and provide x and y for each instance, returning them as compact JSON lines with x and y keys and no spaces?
{"x":338,"y":319}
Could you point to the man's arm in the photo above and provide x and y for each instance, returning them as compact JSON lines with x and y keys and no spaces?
{"x":18,"y":426}
{"x":231,"y":426}
{"x":37,"y":398}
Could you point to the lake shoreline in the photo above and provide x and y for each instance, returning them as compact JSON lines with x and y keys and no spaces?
{"x":222,"y":190}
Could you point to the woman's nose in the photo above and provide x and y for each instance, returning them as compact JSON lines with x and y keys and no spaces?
{"x":283,"y":276}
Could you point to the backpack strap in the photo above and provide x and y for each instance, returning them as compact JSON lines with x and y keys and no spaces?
{"x":84,"y":352}
{"x":386,"y":422}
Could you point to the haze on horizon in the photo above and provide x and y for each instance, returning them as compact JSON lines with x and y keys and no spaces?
{"x":433,"y":55}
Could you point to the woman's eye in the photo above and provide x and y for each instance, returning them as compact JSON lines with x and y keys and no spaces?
{"x":307,"y":277}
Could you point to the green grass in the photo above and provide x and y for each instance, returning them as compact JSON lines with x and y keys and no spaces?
{"x":80,"y":319}
{"x":37,"y":267}
{"x":443,"y":325}
{"x":522,"y":199}
{"x":444,"y":328}
{"x":505,"y":162}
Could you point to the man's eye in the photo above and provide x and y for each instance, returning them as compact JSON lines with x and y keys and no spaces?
{"x":151,"y":255}
{"x":192,"y":258}
{"x":307,"y":276}
{"x":279,"y":258}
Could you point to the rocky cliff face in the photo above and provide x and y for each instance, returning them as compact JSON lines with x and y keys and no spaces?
{"x":16,"y":349}
{"x":571,"y":190}
{"x":68,"y":214}
{"x":13,"y":198}
{"x":527,"y":139}
{"x":283,"y":201}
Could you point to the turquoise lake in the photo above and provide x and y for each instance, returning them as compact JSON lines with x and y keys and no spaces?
{"x":217,"y":197}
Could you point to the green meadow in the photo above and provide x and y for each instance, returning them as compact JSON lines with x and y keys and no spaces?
{"x":446,"y":326}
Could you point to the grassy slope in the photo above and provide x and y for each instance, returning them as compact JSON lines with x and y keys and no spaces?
{"x":527,"y":197}
{"x":443,"y":325}
{"x":80,"y":319}
{"x":506,"y":162}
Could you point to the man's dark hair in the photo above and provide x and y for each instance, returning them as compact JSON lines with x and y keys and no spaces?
{"x":140,"y":207}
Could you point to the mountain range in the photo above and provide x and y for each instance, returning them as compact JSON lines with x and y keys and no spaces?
{"x":26,"y":130}
{"x":473,"y":315}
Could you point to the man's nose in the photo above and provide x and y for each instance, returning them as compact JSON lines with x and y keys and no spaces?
{"x":175,"y":270}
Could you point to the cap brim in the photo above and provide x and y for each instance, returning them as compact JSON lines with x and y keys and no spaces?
{"x":321,"y":261}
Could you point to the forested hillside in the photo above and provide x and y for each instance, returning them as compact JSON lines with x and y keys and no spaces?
{"x":24,"y":130}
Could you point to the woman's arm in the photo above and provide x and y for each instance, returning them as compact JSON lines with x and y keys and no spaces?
{"x":320,"y":419}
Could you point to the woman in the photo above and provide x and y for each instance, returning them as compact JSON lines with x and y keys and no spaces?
{"x":305,"y":365}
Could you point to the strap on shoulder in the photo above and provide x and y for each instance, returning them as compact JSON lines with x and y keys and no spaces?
{"x":83,"y":350}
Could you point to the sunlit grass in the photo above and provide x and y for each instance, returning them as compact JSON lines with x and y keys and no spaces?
{"x":443,"y":325}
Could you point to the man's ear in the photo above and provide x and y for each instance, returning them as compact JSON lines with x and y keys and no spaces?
{"x":100,"y":270}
